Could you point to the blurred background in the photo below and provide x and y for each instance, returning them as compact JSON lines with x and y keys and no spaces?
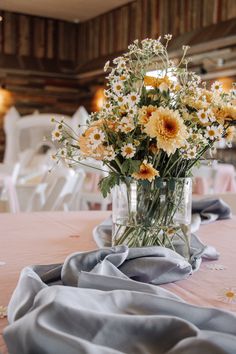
{"x":52,"y":55}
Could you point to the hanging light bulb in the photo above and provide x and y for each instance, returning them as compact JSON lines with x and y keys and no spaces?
{"x":98,"y":99}
{"x":5,"y":100}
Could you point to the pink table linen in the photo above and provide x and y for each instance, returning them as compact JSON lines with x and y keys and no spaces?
{"x":224,"y":181}
{"x":44,"y":238}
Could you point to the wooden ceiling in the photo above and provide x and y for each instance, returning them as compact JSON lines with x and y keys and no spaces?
{"x":71,"y":10}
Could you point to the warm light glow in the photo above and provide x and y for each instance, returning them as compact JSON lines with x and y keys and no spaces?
{"x":99,"y":99}
{"x":162,"y":73}
{"x":227,"y":83}
{"x":5,"y":100}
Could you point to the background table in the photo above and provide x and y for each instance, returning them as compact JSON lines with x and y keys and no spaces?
{"x":44,"y":238}
{"x":221,"y":181}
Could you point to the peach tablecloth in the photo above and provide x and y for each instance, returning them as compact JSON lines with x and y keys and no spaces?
{"x":44,"y":238}
{"x":224,"y":181}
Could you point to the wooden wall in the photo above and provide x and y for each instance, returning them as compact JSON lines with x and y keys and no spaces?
{"x":42,"y":59}
{"x":38,"y":60}
{"x":37,"y":37}
{"x":112,"y":32}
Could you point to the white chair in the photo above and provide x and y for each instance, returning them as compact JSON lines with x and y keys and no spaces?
{"x":70,"y":194}
{"x":90,"y":195}
{"x":27,"y":132}
{"x":8,"y":195}
{"x":204,"y":177}
{"x":58,"y":191}
{"x":48,"y":191}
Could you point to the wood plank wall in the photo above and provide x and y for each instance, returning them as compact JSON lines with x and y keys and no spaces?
{"x":38,"y":58}
{"x":37,"y":37}
{"x":112,"y":32}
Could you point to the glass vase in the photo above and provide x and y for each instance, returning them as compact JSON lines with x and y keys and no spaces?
{"x":154,"y":213}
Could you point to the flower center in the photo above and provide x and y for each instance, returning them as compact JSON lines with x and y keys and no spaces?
{"x":230,"y":294}
{"x":170,"y":127}
{"x":128,"y":150}
{"x":97,"y":136}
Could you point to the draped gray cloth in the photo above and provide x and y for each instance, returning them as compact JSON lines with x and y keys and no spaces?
{"x":108,"y":301}
{"x":208,"y":210}
{"x":203,"y":211}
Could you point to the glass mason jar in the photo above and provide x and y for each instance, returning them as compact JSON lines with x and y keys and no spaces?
{"x":153,"y":214}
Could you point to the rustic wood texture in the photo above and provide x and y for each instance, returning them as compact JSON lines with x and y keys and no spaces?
{"x":112,"y":32}
{"x":37,"y":37}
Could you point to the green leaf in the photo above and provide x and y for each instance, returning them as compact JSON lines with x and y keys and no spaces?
{"x":134,"y":166}
{"x":107,"y":183}
{"x":125,"y":166}
{"x":171,"y":184}
{"x":130,"y":166}
{"x":159,"y":182}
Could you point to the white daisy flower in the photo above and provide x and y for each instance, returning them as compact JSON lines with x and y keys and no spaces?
{"x":107,"y":93}
{"x":123,"y":77}
{"x":96,"y":137}
{"x":128,"y":151}
{"x":3,"y":311}
{"x":108,"y":106}
{"x":110,"y":153}
{"x":133,"y":98}
{"x":203,"y":116}
{"x":191,"y":153}
{"x":128,"y":128}
{"x":168,"y":37}
{"x":106,"y":66}
{"x":157,"y":47}
{"x":120,"y":100}
{"x":211,"y":115}
{"x":118,"y":60}
{"x":228,"y":295}
{"x":62,"y":152}
{"x":126,"y":124}
{"x":118,"y":87}
{"x":216,"y":86}
{"x":132,"y":111}
{"x":212,"y":133}
{"x":56,"y":135}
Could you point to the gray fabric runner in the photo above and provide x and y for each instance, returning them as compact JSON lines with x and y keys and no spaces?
{"x":203,"y":211}
{"x":108,"y":301}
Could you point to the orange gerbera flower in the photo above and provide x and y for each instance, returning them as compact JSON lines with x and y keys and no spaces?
{"x":145,"y":113}
{"x":157,"y":82}
{"x":86,"y":147}
{"x":146,"y":171}
{"x":168,"y":128}
{"x":229,"y":134}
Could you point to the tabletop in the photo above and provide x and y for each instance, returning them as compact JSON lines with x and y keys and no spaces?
{"x":49,"y":237}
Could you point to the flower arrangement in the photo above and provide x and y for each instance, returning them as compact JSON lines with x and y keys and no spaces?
{"x":157,"y":122}
{"x":151,"y":126}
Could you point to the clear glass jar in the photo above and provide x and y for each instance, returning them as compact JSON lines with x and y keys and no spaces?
{"x":153,"y":214}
